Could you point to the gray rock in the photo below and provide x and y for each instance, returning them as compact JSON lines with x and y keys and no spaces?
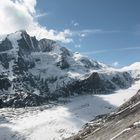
{"x":119,"y":125}
{"x":5,"y":45}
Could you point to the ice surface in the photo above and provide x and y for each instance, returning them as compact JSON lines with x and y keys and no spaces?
{"x":65,"y":119}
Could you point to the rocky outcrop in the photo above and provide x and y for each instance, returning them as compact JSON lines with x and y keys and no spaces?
{"x":22,"y":99}
{"x":122,"y":124}
{"x":46,"y":48}
{"x":5,"y":45}
{"x":4,"y":82}
{"x":96,"y":84}
{"x":5,"y":59}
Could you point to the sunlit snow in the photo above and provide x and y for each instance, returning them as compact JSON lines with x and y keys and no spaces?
{"x":59,"y":121}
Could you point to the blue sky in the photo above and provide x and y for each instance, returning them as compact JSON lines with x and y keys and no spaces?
{"x":104,"y":30}
{"x":117,"y":23}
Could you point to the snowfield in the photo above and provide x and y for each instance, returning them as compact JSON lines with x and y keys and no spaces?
{"x":56,"y":122}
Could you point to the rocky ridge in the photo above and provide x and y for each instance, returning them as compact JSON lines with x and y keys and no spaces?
{"x":122,"y":124}
{"x":33,"y":72}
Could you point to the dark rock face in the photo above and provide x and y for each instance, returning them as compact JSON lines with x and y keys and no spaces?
{"x":5,"y":45}
{"x":4,"y":82}
{"x":5,"y":59}
{"x":65,"y":52}
{"x":21,"y":65}
{"x":19,"y":100}
{"x":46,"y":45}
{"x":91,"y":84}
{"x":94,"y":84}
{"x":27,"y":44}
{"x":122,"y":82}
{"x":88,"y":63}
{"x":63,"y":64}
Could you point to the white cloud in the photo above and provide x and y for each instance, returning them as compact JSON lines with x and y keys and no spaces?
{"x":38,"y":15}
{"x":82,"y":33}
{"x":75,"y":24}
{"x":14,"y":16}
{"x":115,"y":64}
{"x":29,"y":4}
{"x":21,"y":14}
{"x":77,"y":46}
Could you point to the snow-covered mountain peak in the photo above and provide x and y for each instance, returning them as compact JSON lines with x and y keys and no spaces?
{"x":134,"y":66}
{"x":23,"y":43}
{"x":42,"y":67}
{"x":133,"y":69}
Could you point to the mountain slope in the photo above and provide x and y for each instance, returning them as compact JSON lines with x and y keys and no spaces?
{"x":122,"y":124}
{"x":134,"y":70}
{"x":35,"y":71}
{"x":61,"y":121}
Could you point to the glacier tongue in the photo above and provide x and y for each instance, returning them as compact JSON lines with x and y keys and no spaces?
{"x":61,"y":121}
